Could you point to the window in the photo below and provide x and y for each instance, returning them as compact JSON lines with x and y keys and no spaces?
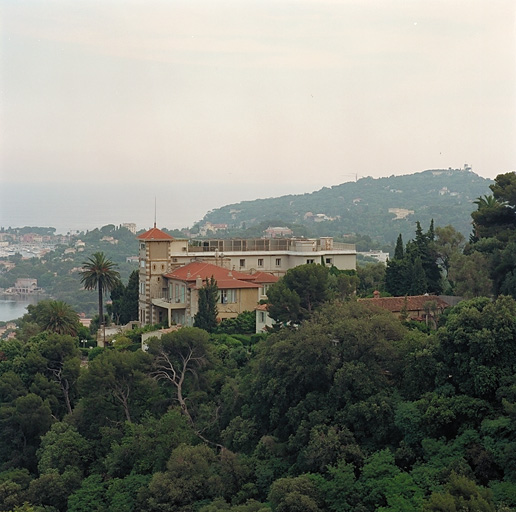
{"x":262,"y":317}
{"x":227,"y":296}
{"x":242,"y":263}
{"x":260,"y":262}
{"x":142,"y":288}
{"x":328,"y":261}
{"x":310,"y":260}
{"x":142,"y":245}
{"x":142,"y":263}
{"x":278,"y":262}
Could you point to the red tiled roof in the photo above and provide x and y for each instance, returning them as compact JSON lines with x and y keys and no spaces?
{"x":155,"y":234}
{"x":262,"y":307}
{"x":265,"y":277}
{"x":226,"y":279}
{"x":411,"y":303}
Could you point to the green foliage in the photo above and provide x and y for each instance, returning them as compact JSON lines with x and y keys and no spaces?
{"x":370,"y":216}
{"x":477,"y":345}
{"x":206,"y":316}
{"x":468,"y":275}
{"x":177,"y":360}
{"x":62,"y":449}
{"x":118,"y":381}
{"x":90,"y":496}
{"x":299,"y":494}
{"x":298,"y":293}
{"x":52,"y":315}
{"x":371,"y":277}
{"x":495,"y":221}
{"x":244,"y":323}
{"x":124,"y":306}
{"x":415,"y":270}
{"x":461,"y":494}
{"x":145,"y":447}
{"x":347,"y":410}
{"x":191,"y":477}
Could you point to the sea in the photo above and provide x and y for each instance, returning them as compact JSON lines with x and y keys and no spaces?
{"x":75,"y":207}
{"x":12,"y":307}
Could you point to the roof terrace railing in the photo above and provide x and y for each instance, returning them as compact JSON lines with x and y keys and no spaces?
{"x":265,"y":244}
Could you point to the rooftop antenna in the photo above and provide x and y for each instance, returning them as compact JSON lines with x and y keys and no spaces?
{"x":154,"y":211}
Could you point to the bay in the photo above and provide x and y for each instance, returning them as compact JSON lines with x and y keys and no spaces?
{"x":12,"y":308}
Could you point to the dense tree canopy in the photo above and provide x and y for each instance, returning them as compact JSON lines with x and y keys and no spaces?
{"x":350,"y":410}
{"x":494,"y":233}
{"x":298,"y":293}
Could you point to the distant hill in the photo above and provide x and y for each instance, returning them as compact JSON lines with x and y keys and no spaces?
{"x":378,"y":207}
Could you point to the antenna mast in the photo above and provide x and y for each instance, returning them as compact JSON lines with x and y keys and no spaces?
{"x":154,"y":211}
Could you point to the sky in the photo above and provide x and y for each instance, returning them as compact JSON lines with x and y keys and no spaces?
{"x":207,"y":102}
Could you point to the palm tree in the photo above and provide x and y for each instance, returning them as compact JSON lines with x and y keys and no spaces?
{"x":54,"y":316}
{"x":98,"y":273}
{"x":486,"y":202}
{"x":59,"y":317}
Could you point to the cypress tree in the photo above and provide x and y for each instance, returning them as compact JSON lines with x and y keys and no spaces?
{"x":399,"y":253}
{"x":419,"y":283}
{"x":206,"y":316}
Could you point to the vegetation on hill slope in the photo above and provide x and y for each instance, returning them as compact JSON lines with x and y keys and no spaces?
{"x":363,"y":206}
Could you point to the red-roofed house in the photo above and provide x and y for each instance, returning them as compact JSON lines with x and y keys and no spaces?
{"x":178,"y":301}
{"x":415,"y":307}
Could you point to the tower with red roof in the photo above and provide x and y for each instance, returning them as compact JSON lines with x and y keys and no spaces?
{"x":153,"y":262}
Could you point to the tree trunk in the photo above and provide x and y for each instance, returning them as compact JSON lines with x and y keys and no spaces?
{"x":101,"y":307}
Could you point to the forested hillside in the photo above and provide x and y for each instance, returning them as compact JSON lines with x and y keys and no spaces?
{"x":341,"y":406}
{"x":352,"y":411}
{"x":363,"y":206}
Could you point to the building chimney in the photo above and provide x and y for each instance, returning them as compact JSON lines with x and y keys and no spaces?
{"x":198,"y":282}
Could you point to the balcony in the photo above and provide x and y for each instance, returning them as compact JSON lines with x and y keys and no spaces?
{"x":167,"y":302}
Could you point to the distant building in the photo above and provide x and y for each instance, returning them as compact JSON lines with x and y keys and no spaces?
{"x":380,"y":256}
{"x":109,"y":239}
{"x":25,"y":286}
{"x":208,"y":228}
{"x":131,"y":226}
{"x":273,"y":232}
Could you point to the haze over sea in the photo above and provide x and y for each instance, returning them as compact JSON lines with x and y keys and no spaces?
{"x":86,"y":206}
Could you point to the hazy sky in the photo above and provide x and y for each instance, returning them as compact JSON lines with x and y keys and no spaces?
{"x":311,"y":92}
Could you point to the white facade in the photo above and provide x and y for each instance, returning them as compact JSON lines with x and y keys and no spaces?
{"x":266,"y":254}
